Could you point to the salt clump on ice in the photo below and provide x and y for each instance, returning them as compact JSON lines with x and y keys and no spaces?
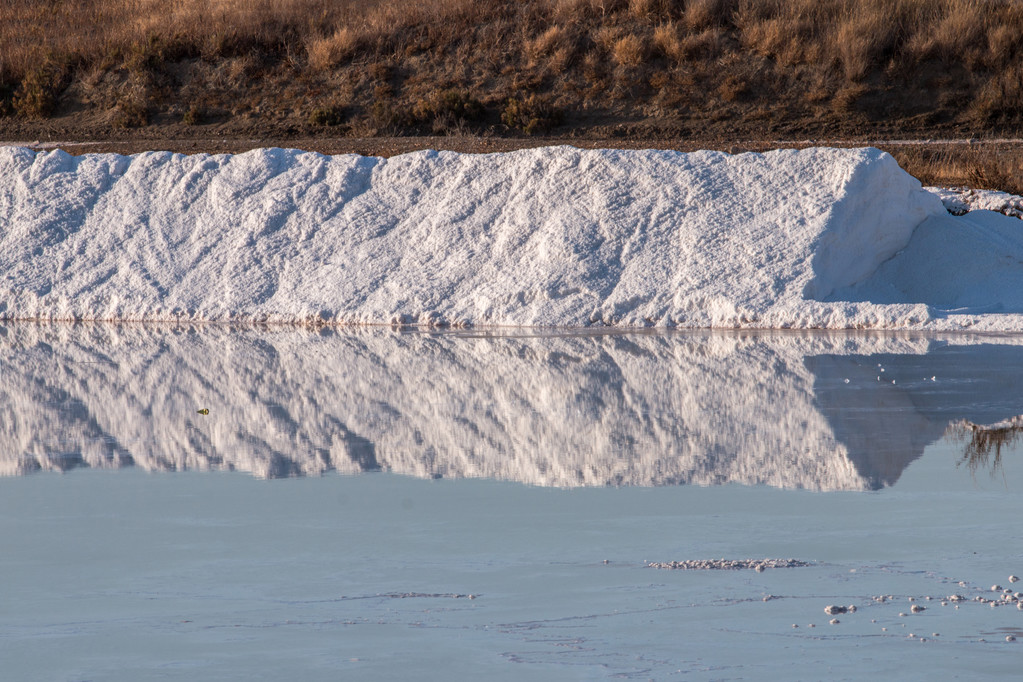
{"x":549,"y":237}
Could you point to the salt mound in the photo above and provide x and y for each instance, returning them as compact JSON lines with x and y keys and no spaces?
{"x":960,"y":267}
{"x":554,"y":236}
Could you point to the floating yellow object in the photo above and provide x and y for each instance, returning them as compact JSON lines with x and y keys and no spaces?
{"x":204,"y":411}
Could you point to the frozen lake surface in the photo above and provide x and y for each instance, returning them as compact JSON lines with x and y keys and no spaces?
{"x":378,"y":504}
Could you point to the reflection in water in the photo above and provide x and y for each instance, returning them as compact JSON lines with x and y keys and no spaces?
{"x":824,"y":412}
{"x":981,"y":439}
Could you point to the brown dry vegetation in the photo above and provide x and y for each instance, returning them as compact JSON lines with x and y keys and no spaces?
{"x":629,"y":69}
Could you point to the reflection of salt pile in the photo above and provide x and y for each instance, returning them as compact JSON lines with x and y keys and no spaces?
{"x":561,"y":411}
{"x":555,"y":236}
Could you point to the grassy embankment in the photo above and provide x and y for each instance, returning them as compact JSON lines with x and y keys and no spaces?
{"x":719,"y":72}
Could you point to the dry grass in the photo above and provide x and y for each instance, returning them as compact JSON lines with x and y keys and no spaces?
{"x":981,"y":166}
{"x":856,"y":32}
{"x":702,"y":14}
{"x":644,"y":9}
{"x":629,"y":50}
{"x":93,"y":30}
{"x":776,"y":66}
{"x":328,"y":51}
{"x":668,"y":42}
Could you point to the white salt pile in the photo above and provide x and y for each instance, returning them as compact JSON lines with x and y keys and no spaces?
{"x":961,"y":200}
{"x":550,"y":237}
{"x":961,"y":267}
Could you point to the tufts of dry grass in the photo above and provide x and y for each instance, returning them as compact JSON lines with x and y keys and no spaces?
{"x":629,"y":50}
{"x":668,"y":42}
{"x":328,"y":51}
{"x":981,"y":166}
{"x":552,"y":50}
{"x":702,"y":14}
{"x":808,"y":65}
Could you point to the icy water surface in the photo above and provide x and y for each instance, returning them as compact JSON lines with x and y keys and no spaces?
{"x":472,"y":504}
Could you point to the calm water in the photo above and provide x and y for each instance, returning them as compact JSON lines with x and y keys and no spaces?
{"x":346,"y":493}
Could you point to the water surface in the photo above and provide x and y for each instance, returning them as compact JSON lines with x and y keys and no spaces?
{"x":451,"y":500}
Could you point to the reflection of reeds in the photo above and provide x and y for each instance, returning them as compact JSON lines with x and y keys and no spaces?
{"x":981,"y":440}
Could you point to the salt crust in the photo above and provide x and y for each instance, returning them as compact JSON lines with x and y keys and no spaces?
{"x":543,"y":237}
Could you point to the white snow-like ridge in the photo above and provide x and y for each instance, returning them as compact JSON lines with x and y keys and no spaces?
{"x":542,"y":237}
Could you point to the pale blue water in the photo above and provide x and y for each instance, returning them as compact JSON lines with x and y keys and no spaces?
{"x":144,"y":573}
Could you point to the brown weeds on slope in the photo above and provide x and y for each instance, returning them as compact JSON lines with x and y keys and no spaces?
{"x":764,"y":67}
{"x":980,"y":166}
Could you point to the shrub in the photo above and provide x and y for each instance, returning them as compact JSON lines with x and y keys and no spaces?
{"x":863,"y":42}
{"x":547,"y":43}
{"x":668,"y":43}
{"x":326,"y":53}
{"x":644,"y":9}
{"x":706,"y":45}
{"x":605,"y":36}
{"x":145,"y":54}
{"x":531,"y":115}
{"x":454,"y":104}
{"x":572,"y":10}
{"x":193,"y":116}
{"x":130,"y":112}
{"x":327,"y":116}
{"x":702,"y":14}
{"x":629,"y":50}
{"x":35,"y":96}
{"x":132,"y":109}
